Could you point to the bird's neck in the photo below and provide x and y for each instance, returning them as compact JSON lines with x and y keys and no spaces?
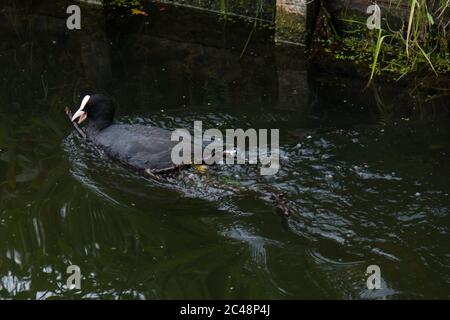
{"x":96,"y":126}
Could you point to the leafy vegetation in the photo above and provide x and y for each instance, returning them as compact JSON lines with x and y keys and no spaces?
{"x":419,"y":42}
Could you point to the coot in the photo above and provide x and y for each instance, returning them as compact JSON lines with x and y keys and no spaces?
{"x":141,"y":147}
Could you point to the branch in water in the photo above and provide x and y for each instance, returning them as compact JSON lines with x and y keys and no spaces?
{"x":281,"y":204}
{"x":75,"y":125}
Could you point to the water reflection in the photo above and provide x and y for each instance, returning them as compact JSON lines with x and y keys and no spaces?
{"x":363,"y":193}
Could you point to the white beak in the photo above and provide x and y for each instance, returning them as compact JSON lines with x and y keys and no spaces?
{"x":81,"y":113}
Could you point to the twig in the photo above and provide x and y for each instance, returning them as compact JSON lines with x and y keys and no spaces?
{"x":75,"y":125}
{"x":281,"y":204}
{"x":278,"y":198}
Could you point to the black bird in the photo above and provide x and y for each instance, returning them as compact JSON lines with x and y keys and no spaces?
{"x":141,"y":147}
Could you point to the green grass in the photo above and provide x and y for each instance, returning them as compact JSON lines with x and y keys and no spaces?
{"x":419,"y":44}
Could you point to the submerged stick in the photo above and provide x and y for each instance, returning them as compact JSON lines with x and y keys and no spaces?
{"x":282,"y":204}
{"x":277,"y":198}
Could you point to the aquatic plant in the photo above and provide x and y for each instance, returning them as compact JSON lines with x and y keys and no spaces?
{"x":418,"y":42}
{"x":426,"y":38}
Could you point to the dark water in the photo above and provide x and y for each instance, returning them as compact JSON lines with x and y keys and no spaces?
{"x":366,"y":171}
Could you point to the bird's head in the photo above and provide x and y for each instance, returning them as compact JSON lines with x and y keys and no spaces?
{"x":98,"y":109}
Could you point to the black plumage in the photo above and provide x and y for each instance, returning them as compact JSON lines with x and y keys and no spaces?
{"x":138,"y":146}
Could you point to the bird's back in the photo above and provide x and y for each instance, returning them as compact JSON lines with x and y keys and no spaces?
{"x":139,"y":146}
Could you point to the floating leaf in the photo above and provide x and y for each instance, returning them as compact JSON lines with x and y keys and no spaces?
{"x":137,"y":12}
{"x":201,"y":168}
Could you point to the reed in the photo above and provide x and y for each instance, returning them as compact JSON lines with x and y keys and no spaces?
{"x":424,"y":38}
{"x":419,"y":42}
